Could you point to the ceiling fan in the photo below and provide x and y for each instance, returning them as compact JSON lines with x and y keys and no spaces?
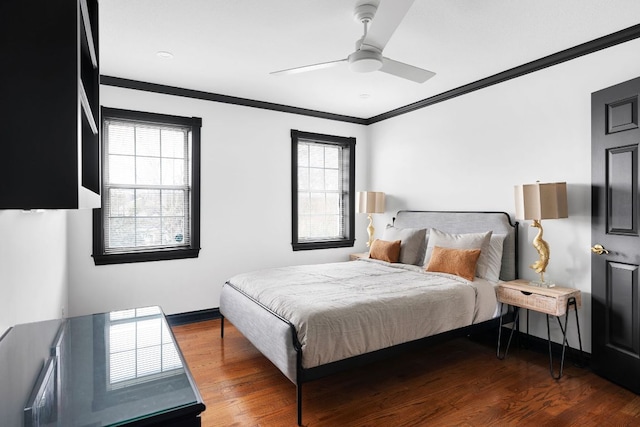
{"x":368,"y":54}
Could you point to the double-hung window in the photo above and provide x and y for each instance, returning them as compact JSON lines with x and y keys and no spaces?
{"x":150,"y":188}
{"x":323,"y":182}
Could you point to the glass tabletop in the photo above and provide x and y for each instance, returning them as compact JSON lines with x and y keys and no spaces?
{"x":112,"y":369}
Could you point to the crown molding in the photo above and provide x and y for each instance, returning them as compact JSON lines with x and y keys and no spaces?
{"x":226,"y":99}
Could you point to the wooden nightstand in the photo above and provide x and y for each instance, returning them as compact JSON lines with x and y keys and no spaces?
{"x":556,"y":301}
{"x":353,"y":257}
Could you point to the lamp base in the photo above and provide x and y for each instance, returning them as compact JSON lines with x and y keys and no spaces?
{"x":371,"y":231}
{"x":542,"y":283}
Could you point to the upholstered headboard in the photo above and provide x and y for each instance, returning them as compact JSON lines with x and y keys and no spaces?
{"x":470,"y":222}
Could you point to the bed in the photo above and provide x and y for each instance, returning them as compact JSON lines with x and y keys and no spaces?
{"x":314,"y":320}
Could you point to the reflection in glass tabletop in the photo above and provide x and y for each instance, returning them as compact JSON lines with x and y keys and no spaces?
{"x":115,"y":368}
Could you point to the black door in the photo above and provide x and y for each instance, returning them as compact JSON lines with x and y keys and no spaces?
{"x":614,"y":275}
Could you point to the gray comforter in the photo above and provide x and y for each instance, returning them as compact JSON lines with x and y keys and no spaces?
{"x":350,"y":308}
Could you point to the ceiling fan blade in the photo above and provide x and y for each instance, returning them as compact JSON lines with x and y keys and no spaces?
{"x":389,"y":15}
{"x":306,"y":68}
{"x":405,"y":71}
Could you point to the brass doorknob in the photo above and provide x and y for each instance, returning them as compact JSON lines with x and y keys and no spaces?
{"x":599,"y":249}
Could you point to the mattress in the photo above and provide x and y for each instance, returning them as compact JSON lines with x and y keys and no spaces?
{"x":345,"y":309}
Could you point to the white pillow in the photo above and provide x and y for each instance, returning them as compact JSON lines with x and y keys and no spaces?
{"x":412,"y":245}
{"x":491,"y":271}
{"x":461,"y":241}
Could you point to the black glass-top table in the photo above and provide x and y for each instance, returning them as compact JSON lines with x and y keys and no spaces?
{"x":117,"y":368}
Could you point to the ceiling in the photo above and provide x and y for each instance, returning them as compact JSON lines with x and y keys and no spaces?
{"x":229,"y":47}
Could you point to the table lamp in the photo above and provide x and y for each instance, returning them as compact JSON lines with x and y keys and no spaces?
{"x":537,"y":202}
{"x":370,"y":202}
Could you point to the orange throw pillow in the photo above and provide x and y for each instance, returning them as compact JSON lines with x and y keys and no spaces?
{"x":461,"y":262}
{"x":385,"y":251}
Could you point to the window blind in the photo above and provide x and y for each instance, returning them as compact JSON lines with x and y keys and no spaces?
{"x":321,"y":187}
{"x":148,"y":186}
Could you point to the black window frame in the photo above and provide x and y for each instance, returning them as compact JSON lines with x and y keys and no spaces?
{"x":99,"y":255}
{"x":348,"y":143}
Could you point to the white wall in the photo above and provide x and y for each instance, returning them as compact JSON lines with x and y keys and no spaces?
{"x":468,"y":153}
{"x":33,"y":266}
{"x":246,"y":209}
{"x":464,"y":154}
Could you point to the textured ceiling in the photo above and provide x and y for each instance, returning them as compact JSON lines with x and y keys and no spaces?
{"x":229,"y":47}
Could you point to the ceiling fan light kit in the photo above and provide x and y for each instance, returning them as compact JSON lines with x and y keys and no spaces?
{"x":365,"y":61}
{"x":368,"y":54}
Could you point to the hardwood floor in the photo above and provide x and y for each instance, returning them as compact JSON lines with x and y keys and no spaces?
{"x":459,"y":382}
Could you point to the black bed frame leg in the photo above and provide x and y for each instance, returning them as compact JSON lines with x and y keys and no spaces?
{"x":221,"y":326}
{"x":299,"y":401}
